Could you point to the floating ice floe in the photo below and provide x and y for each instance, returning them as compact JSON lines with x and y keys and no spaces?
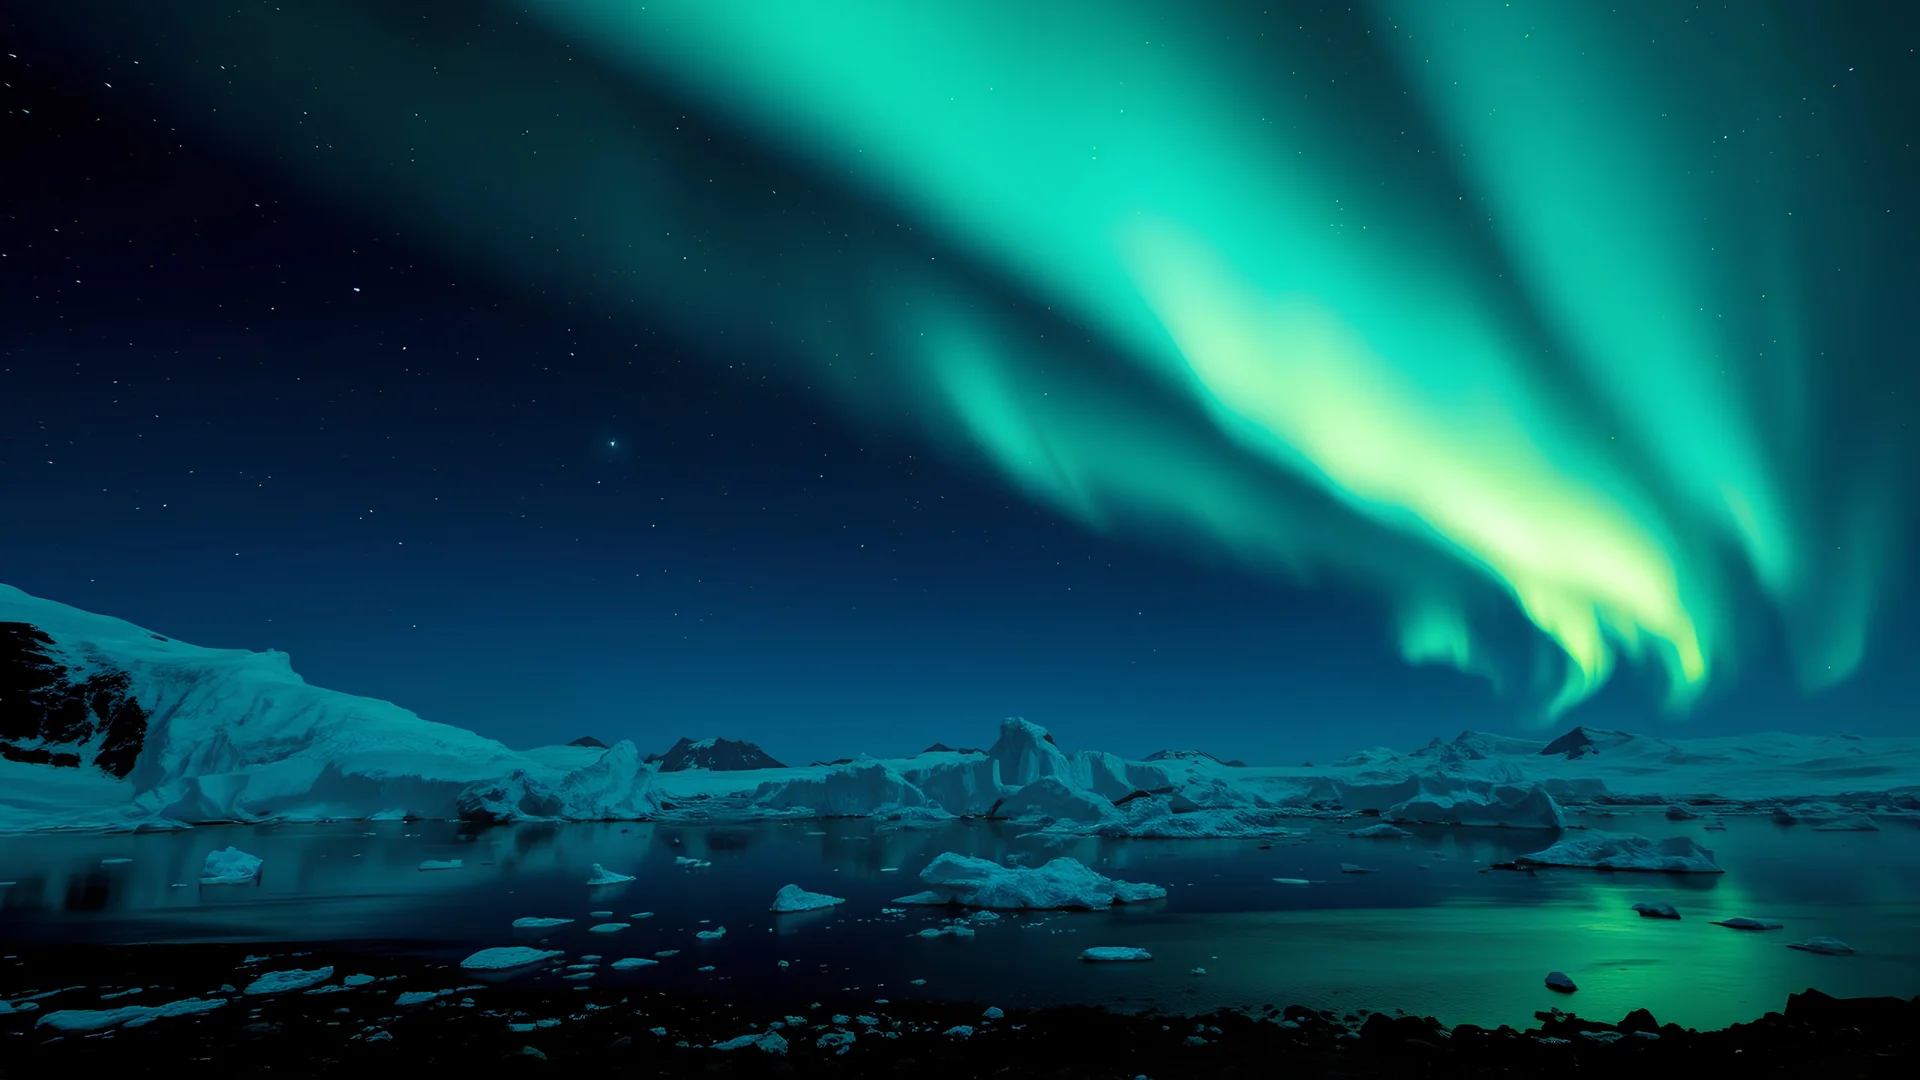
{"x":954,"y":929}
{"x":1382,"y":831}
{"x":1826,"y":946}
{"x":607,"y":927}
{"x":1741,"y":922}
{"x":689,"y":863}
{"x":770,"y":1041}
{"x":603,"y":876}
{"x":1656,"y":909}
{"x":793,"y":898}
{"x":1351,"y":868}
{"x":632,"y":962}
{"x":1626,"y":851}
{"x":230,"y":866}
{"x":279,"y":982}
{"x":715,"y":934}
{"x":1294,"y":880}
{"x":1061,"y":883}
{"x":1108,"y":954}
{"x":440,"y":864}
{"x":506,"y":957}
{"x":82,"y":1021}
{"x":536,"y":922}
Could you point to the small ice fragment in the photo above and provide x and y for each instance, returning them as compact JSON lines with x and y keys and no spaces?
{"x":792,"y":898}
{"x":440,"y":864}
{"x":993,"y":1013}
{"x":230,"y":866}
{"x":1825,"y":946}
{"x":419,"y":997}
{"x":603,"y":876}
{"x":711,"y":935}
{"x":511,"y":956}
{"x":1115,"y":954}
{"x":960,"y":1031}
{"x":1349,"y":868}
{"x":692,"y":864}
{"x":1744,"y":923}
{"x":1291,"y":880}
{"x":607,"y":927}
{"x":664,"y":953}
{"x":641,"y":915}
{"x":633,"y":962}
{"x":535,"y":922}
{"x":1198,"y":971}
{"x":278,"y":982}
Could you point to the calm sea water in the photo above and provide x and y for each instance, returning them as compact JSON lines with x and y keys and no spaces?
{"x":1427,"y":933}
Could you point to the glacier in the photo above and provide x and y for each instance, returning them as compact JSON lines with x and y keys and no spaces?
{"x":171,"y":735}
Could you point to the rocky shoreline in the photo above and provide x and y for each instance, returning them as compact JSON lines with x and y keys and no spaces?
{"x":405,"y":1012}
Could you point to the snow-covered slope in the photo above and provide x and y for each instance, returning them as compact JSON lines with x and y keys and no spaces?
{"x":230,"y":735}
{"x":104,"y":724}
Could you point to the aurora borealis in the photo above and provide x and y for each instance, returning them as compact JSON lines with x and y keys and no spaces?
{"x":1577,"y":310}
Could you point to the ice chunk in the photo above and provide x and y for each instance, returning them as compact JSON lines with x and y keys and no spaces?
{"x":960,"y":1031}
{"x":419,"y":997}
{"x":79,"y":1021}
{"x":1626,"y":851}
{"x":536,"y":922}
{"x":279,"y":982}
{"x":1061,"y":883}
{"x":950,"y":930}
{"x":691,"y":864}
{"x":1849,"y":823}
{"x":794,"y":898}
{"x":1656,"y":909}
{"x":1382,"y":831}
{"x":993,"y":1013}
{"x":607,"y":927}
{"x":510,"y":956}
{"x":1508,"y":805}
{"x":439,"y":864}
{"x":1114,"y":954}
{"x":1824,"y":945}
{"x":1295,"y":880}
{"x":230,"y":866}
{"x":714,"y":934}
{"x":1743,"y":923}
{"x":1557,"y":980}
{"x":837,"y":1041}
{"x":632,"y":962}
{"x":357,"y":980}
{"x":1351,"y":868}
{"x":770,"y":1041}
{"x":603,"y":876}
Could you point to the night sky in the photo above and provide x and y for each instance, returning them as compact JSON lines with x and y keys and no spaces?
{"x":578,"y":368}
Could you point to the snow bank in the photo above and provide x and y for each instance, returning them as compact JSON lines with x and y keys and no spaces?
{"x":1061,"y":883}
{"x":1627,"y":851}
{"x":792,"y":898}
{"x":230,"y":866}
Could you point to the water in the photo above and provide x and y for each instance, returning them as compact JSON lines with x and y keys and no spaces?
{"x":1428,"y":933}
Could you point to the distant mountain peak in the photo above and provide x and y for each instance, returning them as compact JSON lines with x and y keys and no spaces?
{"x":1584,"y":740}
{"x":943,"y":748}
{"x":714,"y":755}
{"x":590,"y":741}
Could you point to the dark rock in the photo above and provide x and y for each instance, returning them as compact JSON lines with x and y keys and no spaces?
{"x":1575,"y":743}
{"x":588,"y":740}
{"x":1639,"y":1020}
{"x":714,"y":755}
{"x":943,"y":748}
{"x":43,"y":703}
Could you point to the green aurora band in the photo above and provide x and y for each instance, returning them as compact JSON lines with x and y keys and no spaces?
{"x":1481,"y":299}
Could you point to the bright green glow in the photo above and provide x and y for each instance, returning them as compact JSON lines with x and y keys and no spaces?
{"x":1543,"y":364}
{"x":1127,"y":178}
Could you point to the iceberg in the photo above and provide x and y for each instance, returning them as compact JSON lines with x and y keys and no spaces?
{"x":1061,"y":883}
{"x":792,"y":898}
{"x":82,"y":1021}
{"x":230,"y":866}
{"x":1627,"y":851}
{"x":603,"y":876}
{"x":1501,"y":805}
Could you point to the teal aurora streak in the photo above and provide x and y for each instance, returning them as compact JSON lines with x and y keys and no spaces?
{"x":1543,"y":300}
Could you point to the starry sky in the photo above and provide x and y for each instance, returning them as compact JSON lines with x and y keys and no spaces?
{"x":1267,"y":379}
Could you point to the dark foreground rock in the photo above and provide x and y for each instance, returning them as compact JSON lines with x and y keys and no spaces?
{"x":383,"y":1027}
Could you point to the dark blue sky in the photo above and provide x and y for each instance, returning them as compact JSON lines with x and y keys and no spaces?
{"x":248,"y":419}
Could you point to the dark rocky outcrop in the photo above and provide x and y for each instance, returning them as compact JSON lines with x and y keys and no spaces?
{"x":1575,"y":743}
{"x":589,"y":741}
{"x":943,"y":748}
{"x":50,"y":717}
{"x":715,"y":755}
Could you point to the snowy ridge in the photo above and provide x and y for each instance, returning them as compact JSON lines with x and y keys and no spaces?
{"x":229,"y":735}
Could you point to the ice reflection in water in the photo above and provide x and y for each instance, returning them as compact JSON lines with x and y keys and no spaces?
{"x":1428,"y":933}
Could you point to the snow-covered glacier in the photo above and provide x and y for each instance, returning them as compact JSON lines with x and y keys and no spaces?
{"x":230,"y":735}
{"x":104,"y":724}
